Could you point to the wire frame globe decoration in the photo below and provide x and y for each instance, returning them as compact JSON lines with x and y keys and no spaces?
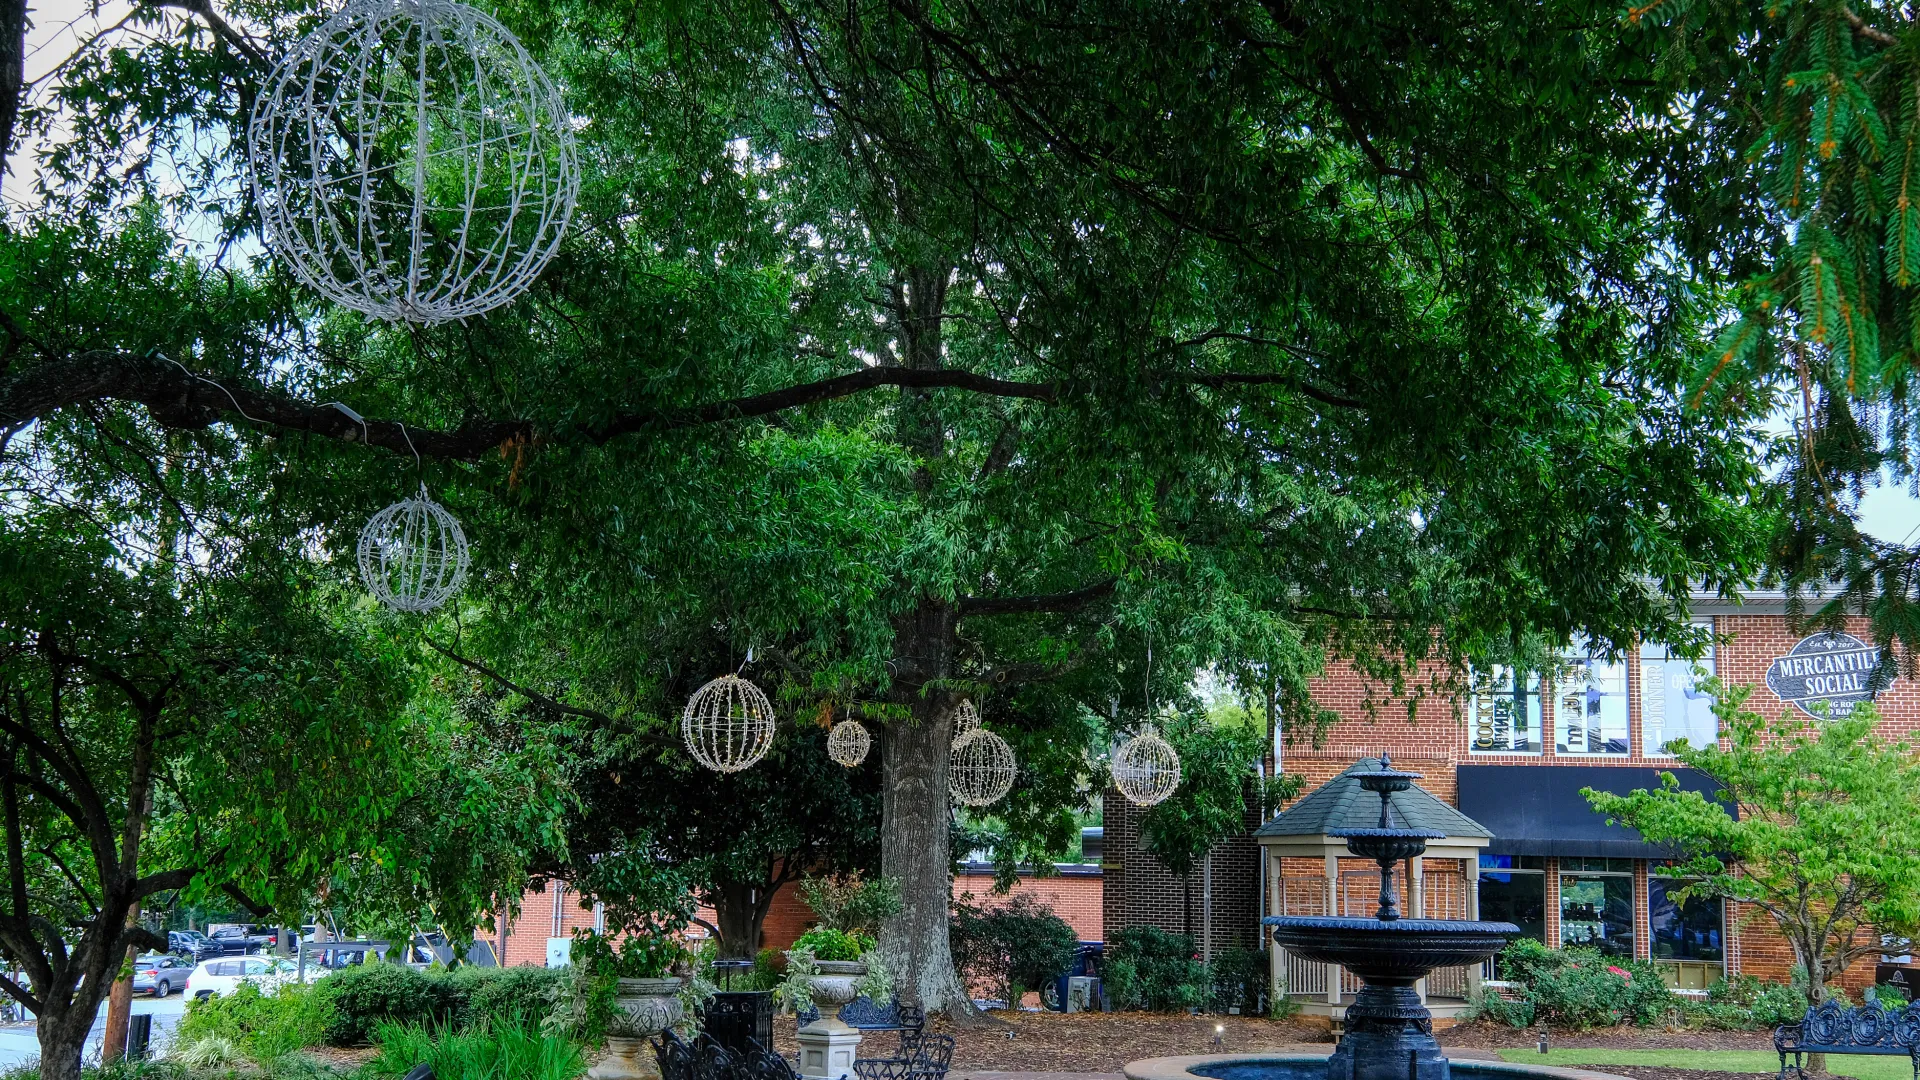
{"x":1146,"y":769}
{"x":412,"y":162}
{"x":966,"y":720}
{"x":728,"y":724}
{"x":413,"y":555}
{"x":981,"y":769}
{"x":848,"y":743}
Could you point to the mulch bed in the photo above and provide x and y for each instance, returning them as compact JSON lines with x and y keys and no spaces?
{"x":1087,"y":1042}
{"x":1499,"y":1036}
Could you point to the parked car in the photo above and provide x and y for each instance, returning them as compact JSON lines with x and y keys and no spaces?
{"x":160,"y":974}
{"x":220,"y":977}
{"x":235,"y":941}
{"x":190,"y":943}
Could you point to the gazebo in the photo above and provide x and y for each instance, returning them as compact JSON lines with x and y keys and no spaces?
{"x":1309,"y":872}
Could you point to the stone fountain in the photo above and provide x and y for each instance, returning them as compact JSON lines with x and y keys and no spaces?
{"x":1389,"y":1032}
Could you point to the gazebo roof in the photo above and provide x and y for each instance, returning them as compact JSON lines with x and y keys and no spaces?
{"x":1341,"y":803}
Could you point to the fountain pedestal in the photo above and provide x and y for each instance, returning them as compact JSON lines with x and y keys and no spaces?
{"x":1389,"y":1032}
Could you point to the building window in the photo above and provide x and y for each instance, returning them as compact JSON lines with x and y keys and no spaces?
{"x":1591,"y":712}
{"x":1505,"y":711}
{"x":1672,"y":705}
{"x":1596,"y":905}
{"x":1513,"y":888}
{"x":1686,"y":934}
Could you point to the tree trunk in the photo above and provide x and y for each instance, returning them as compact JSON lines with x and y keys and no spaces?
{"x":113,"y":1044}
{"x":915,"y":849}
{"x":63,"y":1038}
{"x":740,"y":914}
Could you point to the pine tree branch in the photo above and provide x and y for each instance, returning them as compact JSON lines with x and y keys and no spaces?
{"x":1860,"y":26}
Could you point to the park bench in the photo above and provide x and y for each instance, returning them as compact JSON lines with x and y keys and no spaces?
{"x":1831,"y":1028}
{"x":868,"y":1015}
{"x":705,"y":1059}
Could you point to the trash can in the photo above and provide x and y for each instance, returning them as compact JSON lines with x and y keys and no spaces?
{"x":139,"y":1035}
{"x":1077,"y":988}
{"x":734,"y":1016}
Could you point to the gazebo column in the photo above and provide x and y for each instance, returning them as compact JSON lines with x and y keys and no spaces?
{"x":1471,"y":869}
{"x":1333,"y":908}
{"x":1417,"y":907}
{"x":1276,"y":894}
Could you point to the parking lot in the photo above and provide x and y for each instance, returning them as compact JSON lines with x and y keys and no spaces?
{"x":18,"y":1044}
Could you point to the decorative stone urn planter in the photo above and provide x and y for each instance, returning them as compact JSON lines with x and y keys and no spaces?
{"x":835,"y":982}
{"x":654,"y":1005}
{"x":624,"y":1060}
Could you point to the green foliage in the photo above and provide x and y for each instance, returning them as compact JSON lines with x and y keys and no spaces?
{"x":1013,"y":947}
{"x":768,"y":967}
{"x":794,"y":992}
{"x":1149,"y":968}
{"x":1577,"y":988}
{"x":851,"y":903}
{"x":1827,"y":842}
{"x":366,"y":996}
{"x":636,"y":957}
{"x":1217,"y":788}
{"x":260,"y":1026}
{"x":1239,"y":980}
{"x":1747,"y":1003}
{"x":827,"y":944}
{"x":481,"y":1053}
{"x":506,"y":996}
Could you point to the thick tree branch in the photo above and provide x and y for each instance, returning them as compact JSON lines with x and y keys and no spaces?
{"x":1058,"y":603}
{"x":223,"y":30}
{"x":178,"y":398}
{"x":13,"y":70}
{"x":531,"y":695}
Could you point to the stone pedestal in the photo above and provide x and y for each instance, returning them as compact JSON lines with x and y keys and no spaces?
{"x":623,"y":1060}
{"x":827,"y":1049}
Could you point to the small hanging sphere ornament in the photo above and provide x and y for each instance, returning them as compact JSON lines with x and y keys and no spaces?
{"x":981,"y":769}
{"x":848,"y":742}
{"x":966,"y":720}
{"x":1146,"y":769}
{"x":728,"y":724}
{"x":413,"y":556}
{"x":410,"y":161}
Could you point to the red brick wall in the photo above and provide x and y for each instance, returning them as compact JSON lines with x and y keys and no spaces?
{"x":1076,"y":898}
{"x":1140,"y":892}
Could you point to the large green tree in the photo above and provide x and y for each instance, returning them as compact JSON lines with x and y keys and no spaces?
{"x":938,"y":351}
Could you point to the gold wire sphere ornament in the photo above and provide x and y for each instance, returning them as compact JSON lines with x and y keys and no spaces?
{"x":413,"y":556}
{"x":1146,"y":769}
{"x":848,"y":743}
{"x":981,"y":769}
{"x":966,"y":720}
{"x":728,"y":724}
{"x":410,"y":161}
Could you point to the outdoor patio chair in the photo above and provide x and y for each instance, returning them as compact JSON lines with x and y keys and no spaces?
{"x":674,"y":1055}
{"x":761,"y":1063}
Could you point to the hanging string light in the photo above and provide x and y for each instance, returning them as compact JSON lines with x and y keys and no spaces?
{"x":728,"y":724}
{"x":981,"y":768}
{"x":413,"y":556}
{"x":966,"y":720}
{"x":848,"y":742}
{"x":1146,"y":769}
{"x":412,"y":162}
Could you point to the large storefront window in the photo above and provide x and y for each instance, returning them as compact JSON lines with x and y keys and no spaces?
{"x":1591,"y":712}
{"x":1686,"y":934}
{"x":1672,"y":705}
{"x":1596,"y":905}
{"x":1513,"y":888}
{"x":1504,"y":711}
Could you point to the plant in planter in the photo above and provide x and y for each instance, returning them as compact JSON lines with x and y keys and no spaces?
{"x":794,"y":991}
{"x":646,"y":992}
{"x":850,"y":903}
{"x":836,"y":968}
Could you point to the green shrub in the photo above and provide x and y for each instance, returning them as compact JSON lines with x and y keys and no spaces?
{"x":1746,"y":1003}
{"x":1013,"y":947}
{"x":830,"y":944}
{"x":768,"y":966}
{"x":640,"y":956}
{"x":1238,"y":980}
{"x":260,"y":1027}
{"x":366,"y":995}
{"x":521,"y":995}
{"x":483,"y":1053}
{"x":1578,"y":988}
{"x":1149,"y":968}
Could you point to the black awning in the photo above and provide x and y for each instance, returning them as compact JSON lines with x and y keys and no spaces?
{"x":1538,"y":809}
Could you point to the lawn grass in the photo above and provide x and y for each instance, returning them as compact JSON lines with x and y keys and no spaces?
{"x":1744,"y":1061}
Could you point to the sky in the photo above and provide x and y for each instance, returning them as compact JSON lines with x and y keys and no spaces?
{"x":1889,"y":512}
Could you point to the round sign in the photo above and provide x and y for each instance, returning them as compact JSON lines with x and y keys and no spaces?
{"x":1837,"y":670}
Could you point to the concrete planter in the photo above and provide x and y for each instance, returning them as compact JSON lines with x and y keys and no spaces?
{"x":835,"y":982}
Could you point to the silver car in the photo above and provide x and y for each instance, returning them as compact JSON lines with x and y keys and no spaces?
{"x":160,"y":974}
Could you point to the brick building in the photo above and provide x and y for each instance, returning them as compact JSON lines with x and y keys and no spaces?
{"x":1513,"y":757}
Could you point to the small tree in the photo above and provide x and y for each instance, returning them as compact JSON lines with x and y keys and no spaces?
{"x":1827,"y":840}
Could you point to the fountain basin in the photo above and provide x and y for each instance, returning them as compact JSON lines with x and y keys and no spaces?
{"x":1390,"y":953}
{"x":1270,"y":1066}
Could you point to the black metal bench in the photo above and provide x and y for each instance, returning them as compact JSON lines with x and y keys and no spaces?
{"x":868,"y":1015}
{"x":1830,"y":1028}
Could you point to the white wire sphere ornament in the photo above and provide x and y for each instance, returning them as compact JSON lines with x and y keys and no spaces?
{"x":412,"y":162}
{"x":728,"y":724}
{"x":413,"y":555}
{"x":981,"y":769}
{"x":848,"y":743}
{"x":1146,"y":769}
{"x":966,"y":720}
